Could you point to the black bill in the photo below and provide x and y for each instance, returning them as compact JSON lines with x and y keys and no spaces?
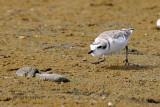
{"x":91,"y":51}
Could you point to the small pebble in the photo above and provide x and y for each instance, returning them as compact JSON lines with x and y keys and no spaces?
{"x":7,"y":77}
{"x":76,"y":101}
{"x":32,"y":9}
{"x":110,"y":104}
{"x":158,"y":22}
{"x":84,"y":59}
{"x":21,"y":37}
{"x":107,"y":76}
{"x":36,"y":36}
{"x":93,"y":102}
{"x":41,"y":27}
{"x":103,"y":97}
{"x":145,"y":34}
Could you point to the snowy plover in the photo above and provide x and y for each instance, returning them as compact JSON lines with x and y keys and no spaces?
{"x":109,"y":42}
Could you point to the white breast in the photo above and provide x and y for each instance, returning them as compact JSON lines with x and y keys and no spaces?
{"x":117,"y":44}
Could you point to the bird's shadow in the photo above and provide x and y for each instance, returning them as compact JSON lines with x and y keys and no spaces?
{"x":130,"y":67}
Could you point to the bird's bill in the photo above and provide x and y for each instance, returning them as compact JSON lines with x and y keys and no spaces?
{"x":91,"y":51}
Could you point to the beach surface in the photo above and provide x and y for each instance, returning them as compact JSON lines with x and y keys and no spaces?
{"x":54,"y":36}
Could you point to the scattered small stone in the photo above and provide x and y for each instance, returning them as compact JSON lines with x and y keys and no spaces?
{"x":110,"y":104}
{"x":41,"y":27}
{"x":93,"y":102}
{"x":47,"y":47}
{"x":25,"y":19}
{"x":107,"y":76}
{"x":77,"y":102}
{"x":84,"y":59}
{"x":145,"y":34}
{"x":52,"y":77}
{"x":36,"y":36}
{"x":126,"y":77}
{"x":70,"y":35}
{"x":158,"y":22}
{"x":21,"y":37}
{"x":82,"y":33}
{"x":103,"y":97}
{"x":7,"y":77}
{"x":27,"y":72}
{"x":32,"y":9}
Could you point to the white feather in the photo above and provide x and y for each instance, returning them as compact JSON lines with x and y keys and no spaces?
{"x":158,"y":22}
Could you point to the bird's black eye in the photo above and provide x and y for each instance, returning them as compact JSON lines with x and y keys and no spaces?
{"x":103,"y":47}
{"x":99,"y":47}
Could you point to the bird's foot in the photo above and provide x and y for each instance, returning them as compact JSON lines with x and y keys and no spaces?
{"x":126,"y":62}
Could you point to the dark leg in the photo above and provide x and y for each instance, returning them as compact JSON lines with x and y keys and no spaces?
{"x":126,"y":60}
{"x":100,"y":60}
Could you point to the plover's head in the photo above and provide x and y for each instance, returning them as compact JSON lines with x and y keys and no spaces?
{"x":130,"y":29}
{"x":98,"y":48}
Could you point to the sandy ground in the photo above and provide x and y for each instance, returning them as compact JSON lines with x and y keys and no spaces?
{"x":54,"y":37}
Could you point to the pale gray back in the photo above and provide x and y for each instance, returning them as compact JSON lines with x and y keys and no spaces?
{"x":115,"y":34}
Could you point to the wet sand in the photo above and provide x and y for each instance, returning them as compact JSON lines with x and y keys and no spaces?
{"x":54,"y":37}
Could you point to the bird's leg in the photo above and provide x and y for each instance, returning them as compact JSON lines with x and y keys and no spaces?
{"x":126,"y":60}
{"x":97,"y":62}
